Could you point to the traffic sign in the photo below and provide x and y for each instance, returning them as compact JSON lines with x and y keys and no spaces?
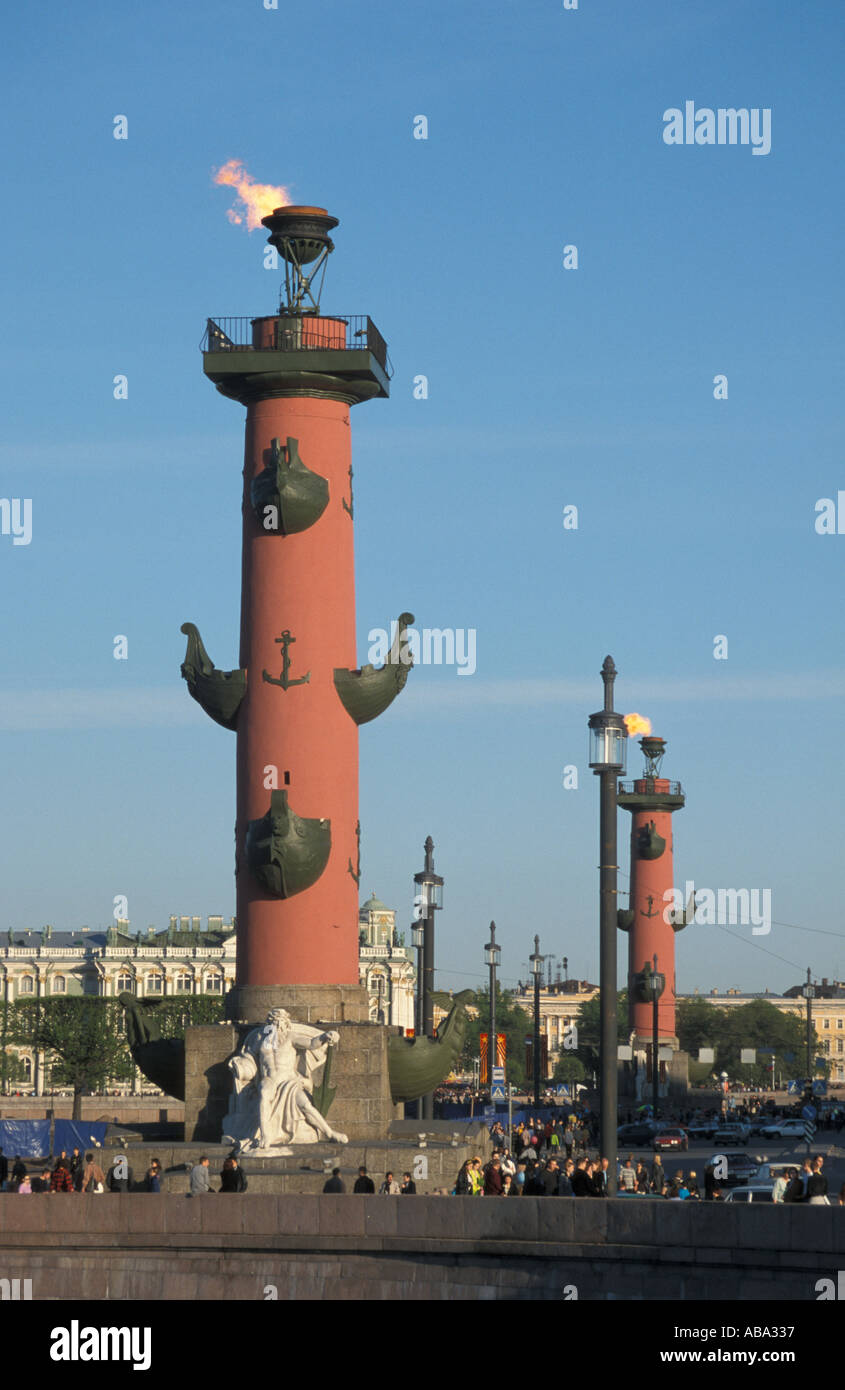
{"x":497,"y":1091}
{"x":809,"y":1112}
{"x":792,"y":1087}
{"x":809,"y":1131}
{"x":498,"y":1074}
{"x":819,"y":1088}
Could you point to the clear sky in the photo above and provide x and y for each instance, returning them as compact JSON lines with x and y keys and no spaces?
{"x":548,"y":387}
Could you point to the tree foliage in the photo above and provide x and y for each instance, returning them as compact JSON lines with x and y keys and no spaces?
{"x":757,"y":1024}
{"x":512,"y":1020}
{"x":569,"y":1068}
{"x":82,"y":1038}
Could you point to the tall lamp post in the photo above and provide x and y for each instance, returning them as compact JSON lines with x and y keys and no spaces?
{"x":428,"y":898}
{"x":809,"y":994}
{"x":491,"y":957}
{"x":656,"y":985}
{"x":608,"y":737}
{"x":418,"y":938}
{"x":537,"y":972}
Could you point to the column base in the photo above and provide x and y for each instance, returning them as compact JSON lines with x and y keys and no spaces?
{"x":305,"y":1003}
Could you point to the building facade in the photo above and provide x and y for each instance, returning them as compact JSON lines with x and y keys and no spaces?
{"x":385,"y":965}
{"x":184,"y":959}
{"x":828,"y":1016}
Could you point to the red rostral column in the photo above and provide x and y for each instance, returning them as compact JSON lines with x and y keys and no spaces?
{"x":650,"y":920}
{"x":297,"y":699}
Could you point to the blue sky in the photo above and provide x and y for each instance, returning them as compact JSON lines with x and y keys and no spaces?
{"x":547,"y":387}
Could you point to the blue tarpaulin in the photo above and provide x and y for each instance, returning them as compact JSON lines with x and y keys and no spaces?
{"x":26,"y":1138}
{"x":78,"y":1134}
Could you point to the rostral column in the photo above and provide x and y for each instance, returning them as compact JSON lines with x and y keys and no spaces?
{"x":297,"y":698}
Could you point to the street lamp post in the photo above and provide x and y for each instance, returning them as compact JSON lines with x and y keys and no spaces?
{"x":657,"y":984}
{"x":537,"y":972}
{"x":809,"y":994}
{"x":491,"y":956}
{"x":428,"y":898}
{"x":608,"y":737}
{"x":418,"y":938}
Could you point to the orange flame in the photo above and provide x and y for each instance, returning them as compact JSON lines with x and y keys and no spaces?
{"x":254,"y":200}
{"x":637,"y":724}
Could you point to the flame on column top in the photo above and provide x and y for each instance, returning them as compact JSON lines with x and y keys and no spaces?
{"x":637,"y":724}
{"x":254,"y":200}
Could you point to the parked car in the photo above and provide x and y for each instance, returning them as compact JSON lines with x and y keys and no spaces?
{"x":671,"y":1139}
{"x":741,"y":1167}
{"x":731,"y":1134}
{"x":784,"y":1129}
{"x":701,"y":1129}
{"x":754,"y":1192}
{"x":641,"y":1133}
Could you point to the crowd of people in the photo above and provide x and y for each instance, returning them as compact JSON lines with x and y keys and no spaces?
{"x":73,"y":1173}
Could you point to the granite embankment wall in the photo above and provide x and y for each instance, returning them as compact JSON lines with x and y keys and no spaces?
{"x":332,"y":1247}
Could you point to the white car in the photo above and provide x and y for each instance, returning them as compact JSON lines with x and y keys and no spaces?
{"x":785,"y":1129}
{"x":754,"y":1192}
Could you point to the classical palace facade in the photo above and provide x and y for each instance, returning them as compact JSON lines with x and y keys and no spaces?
{"x":385,"y":965}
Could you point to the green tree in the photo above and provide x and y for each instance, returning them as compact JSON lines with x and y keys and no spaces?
{"x":512,"y":1020}
{"x":569,"y":1068}
{"x":698,"y":1024}
{"x":760,"y":1024}
{"x":82,"y":1038}
{"x":588,"y":1023}
{"x":11,"y":1064}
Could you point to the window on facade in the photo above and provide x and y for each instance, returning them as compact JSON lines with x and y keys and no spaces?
{"x":27,"y":1068}
{"x":840,"y":1045}
{"x":155,"y":984}
{"x":27,"y":984}
{"x":59,"y":985}
{"x":125,"y":982}
{"x":825,"y":1023}
{"x":214,"y":984}
{"x":839,"y":1023}
{"x":184,"y":984}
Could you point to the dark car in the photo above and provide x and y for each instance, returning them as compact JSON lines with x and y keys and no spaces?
{"x":701,"y":1129}
{"x":642,"y":1133}
{"x":741,"y":1168}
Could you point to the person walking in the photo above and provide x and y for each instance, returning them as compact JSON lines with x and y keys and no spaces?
{"x":817,"y":1186}
{"x":658,"y":1174}
{"x":120,"y":1177}
{"x":334,"y":1183}
{"x":92,"y":1178}
{"x":628,"y":1177}
{"x":463,"y":1182}
{"x":492,"y":1184}
{"x":76,"y":1166}
{"x":364,"y":1185}
{"x":200,"y":1178}
{"x":232,"y":1177}
{"x":60,"y":1180}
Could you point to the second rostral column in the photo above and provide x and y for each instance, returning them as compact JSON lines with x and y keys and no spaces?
{"x":297,"y":698}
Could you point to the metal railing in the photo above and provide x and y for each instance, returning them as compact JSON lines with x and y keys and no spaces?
{"x":296,"y":333}
{"x":629,"y":788}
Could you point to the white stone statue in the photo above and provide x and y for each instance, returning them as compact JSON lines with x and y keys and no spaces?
{"x":273,"y":1075}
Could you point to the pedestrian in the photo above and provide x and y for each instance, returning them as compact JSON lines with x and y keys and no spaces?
{"x":492,"y":1184}
{"x":692,"y":1184}
{"x":581,"y":1185}
{"x":551,"y":1178}
{"x":25,"y":1186}
{"x":390,"y":1187}
{"x":75,"y":1165}
{"x":476,"y":1177}
{"x":120,"y":1177}
{"x":334,"y":1183}
{"x":92,"y":1177}
{"x":795,"y":1187}
{"x":232,"y":1176}
{"x":408,"y":1187}
{"x":364,"y":1184}
{"x":60,"y":1180}
{"x":643,"y":1185}
{"x":779,"y":1187}
{"x":509,"y":1188}
{"x":564,"y":1187}
{"x":628,"y":1177}
{"x":200,"y":1178}
{"x":463,"y":1182}
{"x":18,"y":1170}
{"x":817,"y":1186}
{"x":658,"y":1174}
{"x":508,"y":1165}
{"x":568,"y":1138}
{"x":42,"y":1184}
